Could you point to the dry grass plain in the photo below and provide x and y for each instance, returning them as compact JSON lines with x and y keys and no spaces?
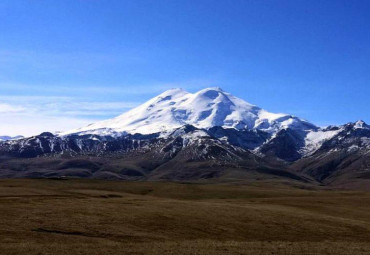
{"x":112,"y":217}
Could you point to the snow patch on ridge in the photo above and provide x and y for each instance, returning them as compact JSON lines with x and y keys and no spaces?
{"x":9,"y":138}
{"x":361,"y":125}
{"x":314,"y":140}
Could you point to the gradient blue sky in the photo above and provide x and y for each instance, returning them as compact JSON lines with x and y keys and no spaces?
{"x":66,"y":63}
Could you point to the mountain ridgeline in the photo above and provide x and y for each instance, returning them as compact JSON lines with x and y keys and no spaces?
{"x":208,"y":135}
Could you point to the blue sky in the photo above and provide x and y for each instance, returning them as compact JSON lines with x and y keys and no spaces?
{"x":66,"y":63}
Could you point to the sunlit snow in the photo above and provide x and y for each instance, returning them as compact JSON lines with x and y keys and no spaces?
{"x":204,"y":109}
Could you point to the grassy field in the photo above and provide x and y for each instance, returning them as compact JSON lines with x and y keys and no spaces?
{"x":111,"y":217}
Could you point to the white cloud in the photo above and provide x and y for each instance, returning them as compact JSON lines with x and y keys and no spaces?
{"x":6,"y":108}
{"x":27,"y":115}
{"x":32,"y":125}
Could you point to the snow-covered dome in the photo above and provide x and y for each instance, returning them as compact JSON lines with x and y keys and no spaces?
{"x":204,"y":109}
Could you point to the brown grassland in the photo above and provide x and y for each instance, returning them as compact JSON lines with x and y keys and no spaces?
{"x":113,"y":217}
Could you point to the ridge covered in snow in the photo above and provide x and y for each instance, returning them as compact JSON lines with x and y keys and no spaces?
{"x":206,"y":108}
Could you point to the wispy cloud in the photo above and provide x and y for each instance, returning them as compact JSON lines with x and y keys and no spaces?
{"x":28,"y":125}
{"x":7,"y":108}
{"x":28,"y":115}
{"x":60,"y":106}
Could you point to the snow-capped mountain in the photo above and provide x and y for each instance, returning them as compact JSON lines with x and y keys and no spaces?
{"x":261,"y":131}
{"x":205,"y":109}
{"x":208,"y":134}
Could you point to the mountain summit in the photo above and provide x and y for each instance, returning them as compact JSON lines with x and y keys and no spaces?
{"x":206,"y":108}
